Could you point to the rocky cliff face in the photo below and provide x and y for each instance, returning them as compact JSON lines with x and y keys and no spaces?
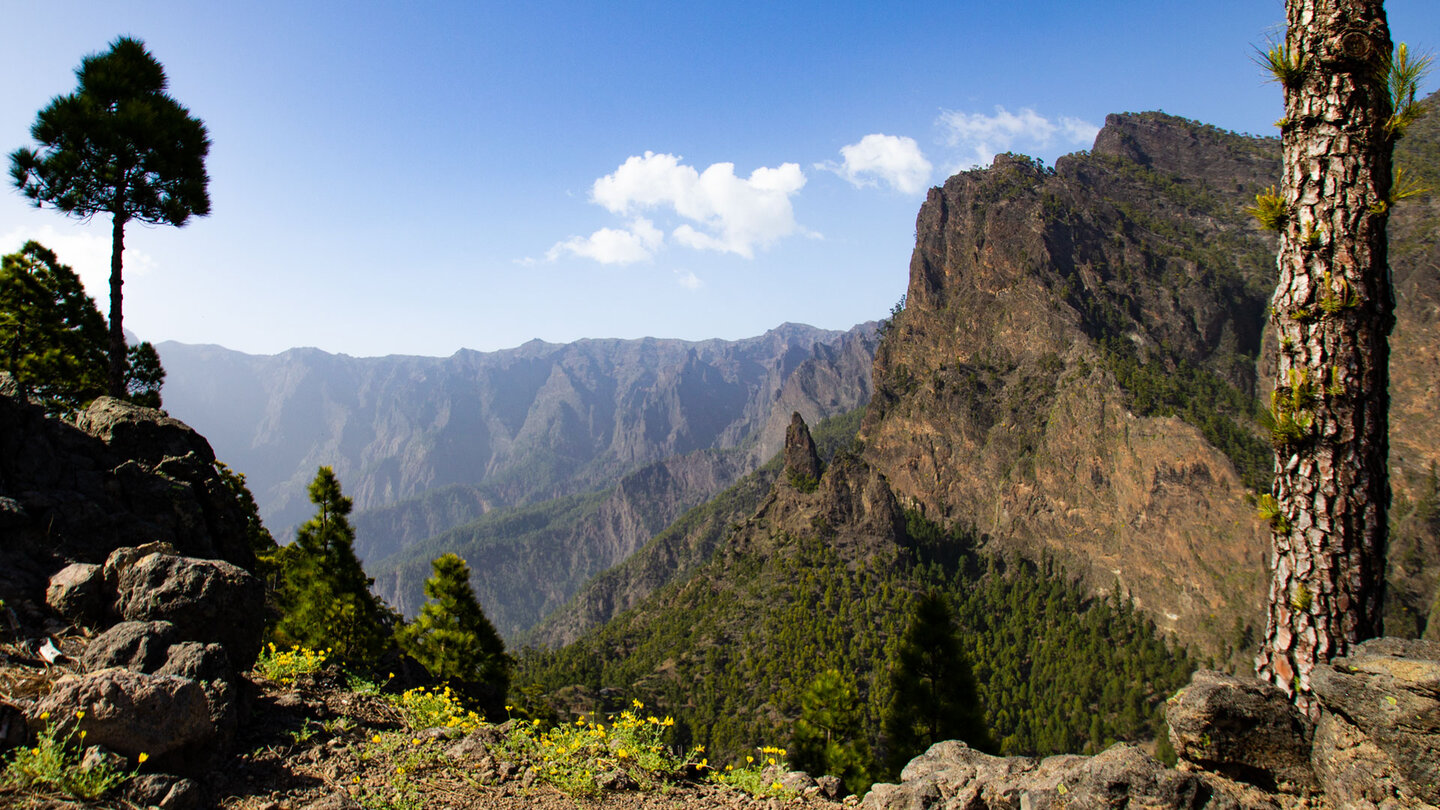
{"x":998,"y":404}
{"x":120,"y":476}
{"x":1061,"y":326}
{"x":501,"y":428}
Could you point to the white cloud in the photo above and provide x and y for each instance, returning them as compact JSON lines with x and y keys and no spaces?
{"x":725,"y":213}
{"x":688,"y":280}
{"x":613,"y":245}
{"x":88,"y":254}
{"x":984,"y":136}
{"x":892,"y":159}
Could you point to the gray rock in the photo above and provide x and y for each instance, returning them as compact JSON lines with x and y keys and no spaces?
{"x":1378,"y":742}
{"x":122,"y":559}
{"x":209,"y":665}
{"x":207,"y":600}
{"x":166,"y":791}
{"x":136,"y":646}
{"x":802,"y":462}
{"x":77,"y":593}
{"x":1244,"y":729}
{"x":796,"y":781}
{"x":952,"y":775}
{"x":615,"y":780}
{"x":830,"y":786}
{"x":133,"y":713}
{"x":139,"y":433}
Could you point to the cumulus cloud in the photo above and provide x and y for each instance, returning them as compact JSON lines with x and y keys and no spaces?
{"x":725,"y":212}
{"x":688,"y":280}
{"x":636,"y":243}
{"x":892,"y":159}
{"x":87,"y":254}
{"x":984,"y":136}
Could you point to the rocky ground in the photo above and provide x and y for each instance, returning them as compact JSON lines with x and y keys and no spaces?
{"x":316,"y":744}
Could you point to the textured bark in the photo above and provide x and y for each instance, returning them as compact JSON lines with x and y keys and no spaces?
{"x":117,"y":327}
{"x":1333,"y":310}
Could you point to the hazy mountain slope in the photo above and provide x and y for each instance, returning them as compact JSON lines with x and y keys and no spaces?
{"x":528,"y":560}
{"x":675,"y":553}
{"x":518,"y":426}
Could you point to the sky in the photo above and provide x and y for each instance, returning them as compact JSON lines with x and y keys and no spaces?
{"x":417,"y":178}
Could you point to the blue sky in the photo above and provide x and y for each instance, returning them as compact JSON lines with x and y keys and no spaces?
{"x":414,"y":178}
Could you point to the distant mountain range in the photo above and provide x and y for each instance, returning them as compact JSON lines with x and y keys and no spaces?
{"x":426,"y":445}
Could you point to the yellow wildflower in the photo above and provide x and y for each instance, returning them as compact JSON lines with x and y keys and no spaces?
{"x":141,"y":759}
{"x":45,"y":715}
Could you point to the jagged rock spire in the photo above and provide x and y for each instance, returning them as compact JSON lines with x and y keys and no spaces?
{"x":802,"y":463}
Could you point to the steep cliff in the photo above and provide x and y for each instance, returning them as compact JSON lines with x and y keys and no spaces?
{"x":1076,"y":371}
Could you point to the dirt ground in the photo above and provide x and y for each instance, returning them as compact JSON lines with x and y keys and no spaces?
{"x":315,"y":745}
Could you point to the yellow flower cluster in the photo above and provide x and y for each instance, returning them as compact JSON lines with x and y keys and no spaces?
{"x":284,"y":665}
{"x":570,"y":755}
{"x":435,"y":708}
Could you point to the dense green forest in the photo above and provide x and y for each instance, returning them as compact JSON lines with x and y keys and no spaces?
{"x":731,"y":651}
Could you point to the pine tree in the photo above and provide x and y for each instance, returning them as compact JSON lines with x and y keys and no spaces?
{"x":52,"y":338}
{"x":1348,"y":97}
{"x":118,"y":145}
{"x":829,"y":737}
{"x":933,"y":690}
{"x":453,"y":639}
{"x":326,"y":601}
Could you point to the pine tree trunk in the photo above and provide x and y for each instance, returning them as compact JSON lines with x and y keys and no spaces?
{"x":117,"y":328}
{"x":1333,"y":310}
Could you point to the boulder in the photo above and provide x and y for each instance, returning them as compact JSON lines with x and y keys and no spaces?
{"x":211,"y":601}
{"x":209,"y":665}
{"x":139,"y":433}
{"x":1244,"y":729}
{"x":136,"y":646}
{"x":132,"y":713}
{"x":1378,"y":740}
{"x":952,"y":774}
{"x":77,"y":593}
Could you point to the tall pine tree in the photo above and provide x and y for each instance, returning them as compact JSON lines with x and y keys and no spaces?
{"x":454,"y":640}
{"x":829,"y":736}
{"x":933,"y":688}
{"x":326,"y":601}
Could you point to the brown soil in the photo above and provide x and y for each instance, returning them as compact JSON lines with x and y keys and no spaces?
{"x":314,"y":744}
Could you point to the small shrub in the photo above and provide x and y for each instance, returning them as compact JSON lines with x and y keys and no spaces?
{"x":54,"y":762}
{"x":573,"y":756}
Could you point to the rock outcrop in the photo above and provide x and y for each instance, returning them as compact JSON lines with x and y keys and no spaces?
{"x":802,"y":463}
{"x":121,"y":475}
{"x":1240,"y":744}
{"x":122,"y":537}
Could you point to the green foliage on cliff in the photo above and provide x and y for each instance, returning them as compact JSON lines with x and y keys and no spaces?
{"x":1224,"y":414}
{"x":732,"y":651}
